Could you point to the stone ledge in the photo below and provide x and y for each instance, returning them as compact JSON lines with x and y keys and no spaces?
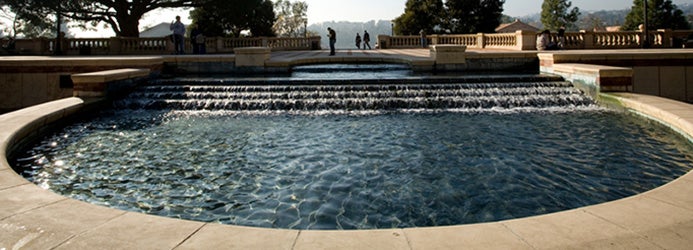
{"x":594,"y":79}
{"x":448,"y":54}
{"x":105,"y":83}
{"x":596,"y":70}
{"x":109,"y":75}
{"x":252,"y":56}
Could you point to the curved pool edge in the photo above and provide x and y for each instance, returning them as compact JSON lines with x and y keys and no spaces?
{"x":31,"y":217}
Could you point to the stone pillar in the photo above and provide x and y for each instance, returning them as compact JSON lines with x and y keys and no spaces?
{"x":526,"y":40}
{"x":252,"y":56}
{"x":383,"y":41}
{"x":115,"y":46}
{"x":587,"y":39}
{"x":480,"y":41}
{"x":434,"y":39}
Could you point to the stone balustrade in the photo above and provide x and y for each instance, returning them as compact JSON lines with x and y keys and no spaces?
{"x":156,"y":46}
{"x":523,"y":40}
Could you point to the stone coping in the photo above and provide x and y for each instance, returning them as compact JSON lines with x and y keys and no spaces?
{"x":39,"y":61}
{"x":590,"y":69}
{"x":109,"y":75}
{"x":625,"y":57}
{"x":39,"y":219}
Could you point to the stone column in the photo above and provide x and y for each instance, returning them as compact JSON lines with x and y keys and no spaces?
{"x":526,"y":40}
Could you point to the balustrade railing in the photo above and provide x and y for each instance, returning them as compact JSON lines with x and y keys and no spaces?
{"x":522,"y":40}
{"x":156,"y":46}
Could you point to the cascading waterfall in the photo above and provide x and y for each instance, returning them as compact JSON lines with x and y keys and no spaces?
{"x":362,"y":95}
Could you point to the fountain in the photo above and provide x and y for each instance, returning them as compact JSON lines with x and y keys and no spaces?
{"x":356,"y":152}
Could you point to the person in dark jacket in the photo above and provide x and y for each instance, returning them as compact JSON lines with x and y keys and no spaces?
{"x":333,"y":39}
{"x":366,"y":40}
{"x":198,"y":40}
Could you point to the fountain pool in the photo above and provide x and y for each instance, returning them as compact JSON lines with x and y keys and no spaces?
{"x":446,"y":156}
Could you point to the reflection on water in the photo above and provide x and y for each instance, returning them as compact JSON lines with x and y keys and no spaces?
{"x":391,"y":170}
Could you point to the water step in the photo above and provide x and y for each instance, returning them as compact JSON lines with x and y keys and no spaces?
{"x":359,"y":96}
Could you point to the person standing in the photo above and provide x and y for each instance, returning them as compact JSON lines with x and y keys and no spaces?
{"x":198,"y":40}
{"x":366,"y":40}
{"x":561,"y":38}
{"x":544,"y":41}
{"x":333,"y":39}
{"x":424,"y":39}
{"x":358,"y":41}
{"x":178,"y":29}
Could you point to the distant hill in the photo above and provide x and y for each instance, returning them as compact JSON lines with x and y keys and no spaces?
{"x":606,"y":18}
{"x":346,"y":32}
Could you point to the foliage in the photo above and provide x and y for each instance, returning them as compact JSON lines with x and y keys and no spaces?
{"x":474,"y":16}
{"x":27,"y":18}
{"x":661,"y":14}
{"x":600,"y":20}
{"x":418,"y":15}
{"x":231,"y":17}
{"x":292,"y":18}
{"x":122,"y":16}
{"x":557,"y":13}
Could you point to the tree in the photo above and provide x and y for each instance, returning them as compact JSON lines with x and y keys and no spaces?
{"x":27,"y":18}
{"x":420,"y":14}
{"x":557,"y":13}
{"x":216,"y":19}
{"x":661,"y":14}
{"x":474,"y":16}
{"x":123,"y":16}
{"x":292,"y":18}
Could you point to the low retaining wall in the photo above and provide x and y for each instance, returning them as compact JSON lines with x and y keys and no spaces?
{"x":659,"y":72}
{"x":28,"y":81}
{"x":594,"y":79}
{"x":108,"y":83}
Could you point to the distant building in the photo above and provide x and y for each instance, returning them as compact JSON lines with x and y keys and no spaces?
{"x":515,"y":26}
{"x":159,"y":30}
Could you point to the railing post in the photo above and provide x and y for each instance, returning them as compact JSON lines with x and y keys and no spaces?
{"x":384,"y":41}
{"x":219,"y":44}
{"x":434,"y":39}
{"x":526,"y":40}
{"x":116,"y":46}
{"x":480,"y":41}
{"x":587,"y":39}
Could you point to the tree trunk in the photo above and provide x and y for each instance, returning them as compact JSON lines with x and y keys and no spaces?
{"x":129,"y":26}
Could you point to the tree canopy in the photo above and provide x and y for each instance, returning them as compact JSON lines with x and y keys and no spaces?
{"x":123,"y":16}
{"x":474,"y":16}
{"x":456,"y":16}
{"x":231,"y":17}
{"x":291,"y":18}
{"x":18,"y":18}
{"x":661,"y":14}
{"x":557,"y":13}
{"x":418,"y":15}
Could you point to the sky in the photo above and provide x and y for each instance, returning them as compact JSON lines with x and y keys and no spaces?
{"x":367,"y":10}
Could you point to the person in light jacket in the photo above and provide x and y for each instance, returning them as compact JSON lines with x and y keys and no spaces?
{"x":178,"y":29}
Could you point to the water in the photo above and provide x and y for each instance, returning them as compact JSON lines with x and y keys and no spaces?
{"x":356,"y":172}
{"x":392,"y":151}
